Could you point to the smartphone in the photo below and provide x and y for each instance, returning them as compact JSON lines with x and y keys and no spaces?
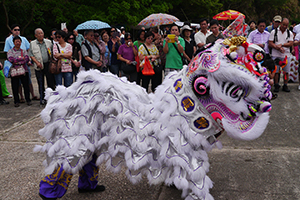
{"x":116,"y":34}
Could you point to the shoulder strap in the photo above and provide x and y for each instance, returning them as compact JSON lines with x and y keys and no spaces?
{"x":57,"y":48}
{"x":177,"y":49}
{"x":275,"y":35}
{"x":146,"y":49}
{"x":147,"y":52}
{"x":21,"y":52}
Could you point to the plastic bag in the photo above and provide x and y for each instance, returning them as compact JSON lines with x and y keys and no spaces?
{"x":7,"y":66}
{"x":147,"y":70}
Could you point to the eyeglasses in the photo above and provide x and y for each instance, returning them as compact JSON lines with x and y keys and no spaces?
{"x":96,"y":35}
{"x":16,"y":29}
{"x":58,"y":37}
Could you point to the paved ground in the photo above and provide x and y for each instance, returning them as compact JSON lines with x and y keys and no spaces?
{"x":263,"y":169}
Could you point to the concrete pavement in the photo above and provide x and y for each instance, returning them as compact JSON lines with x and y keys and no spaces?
{"x":263,"y":169}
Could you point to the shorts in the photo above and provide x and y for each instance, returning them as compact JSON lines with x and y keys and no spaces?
{"x":286,"y":68}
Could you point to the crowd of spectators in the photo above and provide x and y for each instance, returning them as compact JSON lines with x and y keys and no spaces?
{"x":117,"y":51}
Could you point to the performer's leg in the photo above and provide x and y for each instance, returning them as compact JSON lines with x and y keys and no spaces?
{"x":56,"y":184}
{"x":88,"y":176}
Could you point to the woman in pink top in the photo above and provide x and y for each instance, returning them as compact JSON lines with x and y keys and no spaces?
{"x":63,"y":51}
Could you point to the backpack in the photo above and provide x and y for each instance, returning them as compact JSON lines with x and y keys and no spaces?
{"x":276,"y":39}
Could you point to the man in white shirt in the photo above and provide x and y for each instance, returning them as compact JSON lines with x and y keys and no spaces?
{"x":280,"y":41}
{"x":200,"y":36}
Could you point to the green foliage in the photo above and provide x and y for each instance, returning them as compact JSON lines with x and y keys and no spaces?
{"x":48,"y":14}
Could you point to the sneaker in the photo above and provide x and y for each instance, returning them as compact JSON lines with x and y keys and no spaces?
{"x":299,"y":87}
{"x":274,"y":96}
{"x":276,"y":89}
{"x":35,"y":98}
{"x":8,"y":96}
{"x":285,"y":88}
{"x":3,"y":102}
{"x":17,"y":105}
{"x":29,"y":103}
{"x":43,"y":102}
{"x":99,"y":188}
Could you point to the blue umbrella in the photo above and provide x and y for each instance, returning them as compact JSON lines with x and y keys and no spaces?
{"x":92,"y":24}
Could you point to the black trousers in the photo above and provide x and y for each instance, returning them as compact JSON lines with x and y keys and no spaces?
{"x":156,"y":80}
{"x":15,"y":83}
{"x":40,"y":77}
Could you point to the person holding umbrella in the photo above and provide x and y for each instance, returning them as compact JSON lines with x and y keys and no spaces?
{"x":91,"y":58}
{"x":113,"y":45}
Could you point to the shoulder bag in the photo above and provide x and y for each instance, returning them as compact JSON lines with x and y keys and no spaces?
{"x":55,"y":65}
{"x":184,"y":60}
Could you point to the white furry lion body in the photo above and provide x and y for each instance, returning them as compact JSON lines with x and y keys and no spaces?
{"x":166,"y":135}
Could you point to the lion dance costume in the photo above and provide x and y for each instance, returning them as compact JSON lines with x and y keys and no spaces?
{"x":164,"y":136}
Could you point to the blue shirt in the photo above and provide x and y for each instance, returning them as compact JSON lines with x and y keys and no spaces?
{"x":9,"y":44}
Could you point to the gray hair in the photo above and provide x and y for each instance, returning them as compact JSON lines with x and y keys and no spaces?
{"x":37,"y":30}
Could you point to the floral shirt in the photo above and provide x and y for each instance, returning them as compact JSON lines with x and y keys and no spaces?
{"x":18,"y":57}
{"x":153,"y":51}
{"x":66,"y":64}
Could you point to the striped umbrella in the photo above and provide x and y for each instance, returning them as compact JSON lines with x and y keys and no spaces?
{"x":92,"y":25}
{"x":158,"y":19}
{"x":228,"y":15}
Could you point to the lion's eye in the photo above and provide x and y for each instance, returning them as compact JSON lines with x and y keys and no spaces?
{"x":232,"y":90}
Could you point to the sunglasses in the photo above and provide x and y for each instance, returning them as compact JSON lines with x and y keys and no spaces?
{"x":113,"y":31}
{"x":129,"y":38}
{"x":16,"y":29}
{"x":96,"y":35}
{"x":71,"y":38}
{"x":58,"y":37}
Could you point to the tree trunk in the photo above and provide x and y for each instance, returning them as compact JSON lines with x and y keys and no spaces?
{"x":6,"y":15}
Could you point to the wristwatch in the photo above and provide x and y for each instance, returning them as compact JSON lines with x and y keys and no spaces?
{"x":178,"y":42}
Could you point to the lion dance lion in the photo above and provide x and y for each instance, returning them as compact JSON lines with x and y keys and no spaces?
{"x":163,"y":135}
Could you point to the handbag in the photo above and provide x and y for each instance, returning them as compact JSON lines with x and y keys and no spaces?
{"x":55,"y":65}
{"x":147,"y":70}
{"x":127,"y":69}
{"x":137,"y":59}
{"x":18,"y":70}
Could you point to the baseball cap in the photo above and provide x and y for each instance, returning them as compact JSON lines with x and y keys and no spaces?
{"x":277,"y":18}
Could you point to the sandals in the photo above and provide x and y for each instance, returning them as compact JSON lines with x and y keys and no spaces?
{"x":22,"y":100}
